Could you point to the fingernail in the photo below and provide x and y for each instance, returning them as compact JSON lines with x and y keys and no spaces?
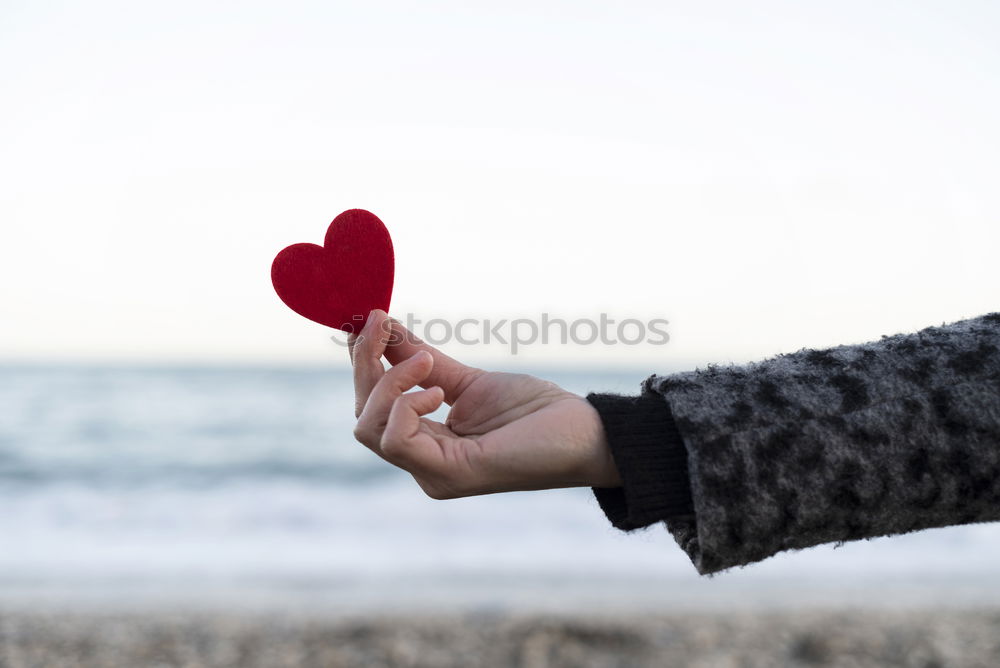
{"x":368,"y":322}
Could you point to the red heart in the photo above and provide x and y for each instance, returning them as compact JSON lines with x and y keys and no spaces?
{"x":339,"y":283}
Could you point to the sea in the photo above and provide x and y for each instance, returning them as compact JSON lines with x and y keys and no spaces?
{"x":243,"y":487}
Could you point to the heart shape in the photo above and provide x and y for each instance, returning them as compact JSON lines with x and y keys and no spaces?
{"x":339,"y":283}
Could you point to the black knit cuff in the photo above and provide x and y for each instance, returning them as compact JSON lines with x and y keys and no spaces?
{"x":651,"y":459}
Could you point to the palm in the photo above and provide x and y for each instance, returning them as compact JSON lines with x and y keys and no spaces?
{"x":494,"y":400}
{"x":518,"y":428}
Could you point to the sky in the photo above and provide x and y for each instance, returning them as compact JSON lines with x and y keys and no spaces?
{"x":765,"y":176}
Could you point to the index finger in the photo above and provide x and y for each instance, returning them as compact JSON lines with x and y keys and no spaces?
{"x":447,"y":373}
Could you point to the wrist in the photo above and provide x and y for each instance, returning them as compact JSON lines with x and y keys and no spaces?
{"x":600,"y":469}
{"x":650,"y":456}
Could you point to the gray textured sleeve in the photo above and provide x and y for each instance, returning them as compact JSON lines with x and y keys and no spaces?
{"x":841,"y":444}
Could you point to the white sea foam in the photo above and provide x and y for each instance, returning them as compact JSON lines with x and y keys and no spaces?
{"x":116,"y":479}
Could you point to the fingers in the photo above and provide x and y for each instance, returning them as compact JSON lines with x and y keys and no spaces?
{"x":401,"y":444}
{"x":366,"y":350}
{"x":448,"y":373}
{"x":389,"y":414}
{"x":389,"y":388}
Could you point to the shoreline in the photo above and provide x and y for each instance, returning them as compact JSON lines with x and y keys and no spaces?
{"x":254,"y":640}
{"x":738,"y":591}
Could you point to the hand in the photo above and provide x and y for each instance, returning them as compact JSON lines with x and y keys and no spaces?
{"x":505,"y":432}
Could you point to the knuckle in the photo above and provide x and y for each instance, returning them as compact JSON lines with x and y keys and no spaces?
{"x":362,"y":433}
{"x":401,"y":405}
{"x":393,"y":448}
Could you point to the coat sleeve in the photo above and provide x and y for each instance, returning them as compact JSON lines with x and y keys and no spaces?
{"x":840,"y":444}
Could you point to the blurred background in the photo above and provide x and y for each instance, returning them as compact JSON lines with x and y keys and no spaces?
{"x":766,"y":176}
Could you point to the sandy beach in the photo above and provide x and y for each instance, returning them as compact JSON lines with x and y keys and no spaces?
{"x":811,"y":638}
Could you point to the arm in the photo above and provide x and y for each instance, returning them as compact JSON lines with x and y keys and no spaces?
{"x":833,"y":445}
{"x":813,"y":447}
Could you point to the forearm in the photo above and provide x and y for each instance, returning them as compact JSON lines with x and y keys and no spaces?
{"x":841,"y":444}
